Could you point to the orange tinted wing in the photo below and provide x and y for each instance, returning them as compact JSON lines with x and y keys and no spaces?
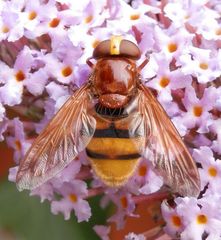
{"x":63,"y":138}
{"x":164,"y":146}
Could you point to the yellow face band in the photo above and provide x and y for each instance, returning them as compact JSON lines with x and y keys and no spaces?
{"x":115,"y":45}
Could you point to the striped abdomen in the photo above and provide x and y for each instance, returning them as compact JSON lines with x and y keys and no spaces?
{"x":112,"y":153}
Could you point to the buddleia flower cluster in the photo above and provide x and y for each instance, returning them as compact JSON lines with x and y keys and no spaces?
{"x":44,"y":45}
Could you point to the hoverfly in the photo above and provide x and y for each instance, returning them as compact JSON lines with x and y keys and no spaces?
{"x":117,"y":120}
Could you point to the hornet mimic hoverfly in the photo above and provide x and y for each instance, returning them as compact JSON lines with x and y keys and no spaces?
{"x":117,"y":120}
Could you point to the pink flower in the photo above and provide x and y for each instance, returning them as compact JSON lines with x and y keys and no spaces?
{"x":145,"y":181}
{"x":174,"y":222}
{"x":171,"y":41}
{"x":198,"y":114}
{"x":10,"y":21}
{"x":133,"y":236}
{"x":20,"y":75}
{"x":18,"y":141}
{"x":167,"y":80}
{"x":102,"y":231}
{"x":200,"y":63}
{"x":45,"y":192}
{"x":129,"y":16}
{"x":125,"y":207}
{"x":199,"y":219}
{"x":211,"y":169}
{"x":73,"y":194}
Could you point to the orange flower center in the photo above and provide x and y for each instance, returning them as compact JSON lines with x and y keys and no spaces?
{"x":67,"y":71}
{"x":32,"y":15}
{"x":176,"y":220}
{"x":202,"y":219}
{"x":164,"y":81}
{"x":197,"y":111}
{"x":19,"y":76}
{"x":212,"y":172}
{"x":142,"y":171}
{"x":172,"y":47}
{"x":134,"y":16}
{"x":54,"y":22}
{"x":73,"y":198}
{"x":88,"y":19}
{"x":203,"y":66}
{"x":18,"y":145}
{"x":5,"y":29}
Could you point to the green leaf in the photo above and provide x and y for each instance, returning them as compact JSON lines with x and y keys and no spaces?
{"x":28,"y":219}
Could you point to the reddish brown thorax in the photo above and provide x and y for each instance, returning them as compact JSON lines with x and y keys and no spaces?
{"x":115,"y":73}
{"x":115,"y":81}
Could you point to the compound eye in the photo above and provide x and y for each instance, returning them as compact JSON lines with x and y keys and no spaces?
{"x":123,"y":48}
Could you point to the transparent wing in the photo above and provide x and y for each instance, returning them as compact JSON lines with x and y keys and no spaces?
{"x":63,"y":138}
{"x":163,"y":145}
